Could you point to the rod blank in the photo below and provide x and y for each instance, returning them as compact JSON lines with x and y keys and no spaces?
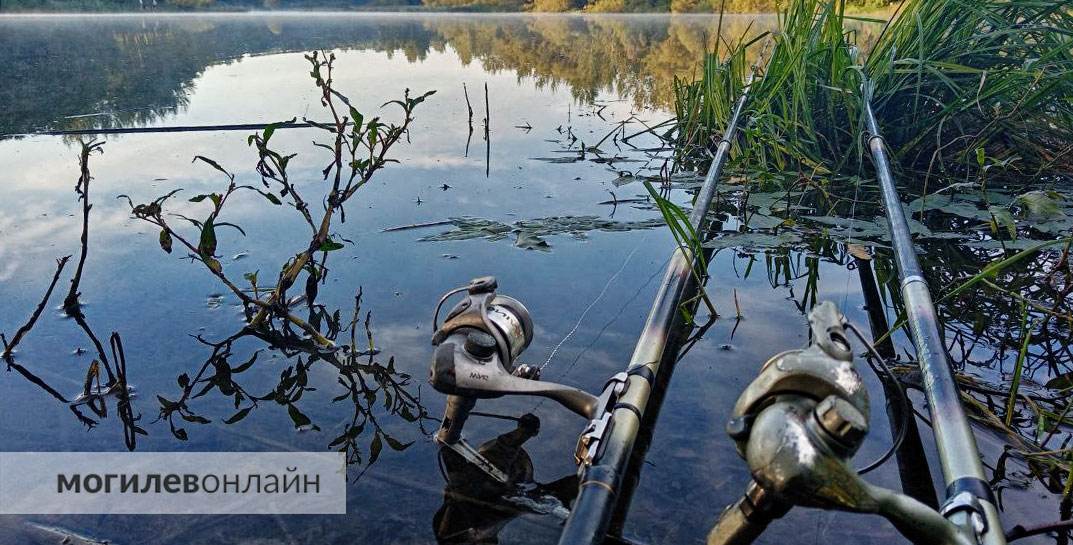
{"x":960,"y":458}
{"x":601,"y":482}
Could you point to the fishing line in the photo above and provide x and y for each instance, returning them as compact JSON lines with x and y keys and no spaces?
{"x":593,"y":303}
{"x":852,"y":216}
{"x":615,"y":317}
{"x":606,"y":325}
{"x":903,"y":401}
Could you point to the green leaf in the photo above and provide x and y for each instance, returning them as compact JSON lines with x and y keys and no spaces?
{"x":273,"y":199}
{"x":207,"y":245}
{"x":373,"y":127}
{"x":980,"y":157}
{"x":1040,"y":204}
{"x":358,"y":119}
{"x":238,"y":416}
{"x":165,"y":240}
{"x":214,"y":164}
{"x":213,"y":264}
{"x":330,"y":245}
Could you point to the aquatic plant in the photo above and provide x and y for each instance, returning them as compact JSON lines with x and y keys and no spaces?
{"x":358,"y":148}
{"x":950,"y":77}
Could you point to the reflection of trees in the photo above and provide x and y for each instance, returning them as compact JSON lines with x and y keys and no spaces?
{"x":133,"y":70}
{"x":130,"y":71}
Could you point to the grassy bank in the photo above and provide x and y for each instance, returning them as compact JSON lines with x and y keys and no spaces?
{"x":951,"y":78}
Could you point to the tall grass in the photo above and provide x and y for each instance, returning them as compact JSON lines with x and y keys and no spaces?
{"x":951,"y":77}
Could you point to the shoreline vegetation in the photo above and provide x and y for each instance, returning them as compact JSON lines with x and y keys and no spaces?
{"x":149,"y":7}
{"x":975,"y":102}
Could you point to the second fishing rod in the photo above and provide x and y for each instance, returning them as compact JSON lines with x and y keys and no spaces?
{"x":970,"y":502}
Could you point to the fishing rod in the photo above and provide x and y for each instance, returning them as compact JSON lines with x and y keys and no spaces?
{"x":604,"y":449}
{"x":482,"y":336}
{"x":798,"y":426}
{"x":970,"y":502}
{"x":800,"y":422}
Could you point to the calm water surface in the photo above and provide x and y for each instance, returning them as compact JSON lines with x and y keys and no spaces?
{"x":547,"y":78}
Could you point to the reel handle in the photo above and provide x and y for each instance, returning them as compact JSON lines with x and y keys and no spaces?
{"x":743,"y":521}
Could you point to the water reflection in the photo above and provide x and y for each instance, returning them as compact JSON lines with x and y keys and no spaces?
{"x":135,"y":70}
{"x":94,"y":396}
{"x":770,"y":264}
{"x":476,"y":507}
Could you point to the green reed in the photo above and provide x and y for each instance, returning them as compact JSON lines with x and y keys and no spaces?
{"x":950,"y":76}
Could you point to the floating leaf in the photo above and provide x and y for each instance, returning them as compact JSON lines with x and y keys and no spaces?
{"x":530,"y":241}
{"x":1041,"y":204}
{"x":755,"y":241}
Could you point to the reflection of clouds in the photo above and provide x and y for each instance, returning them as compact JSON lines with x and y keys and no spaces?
{"x":438,"y":161}
{"x":410,"y":346}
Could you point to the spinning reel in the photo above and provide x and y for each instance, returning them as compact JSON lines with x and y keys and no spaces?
{"x":476,"y":357}
{"x":798,"y":424}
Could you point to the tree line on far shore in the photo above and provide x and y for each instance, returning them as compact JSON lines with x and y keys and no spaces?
{"x":598,"y":6}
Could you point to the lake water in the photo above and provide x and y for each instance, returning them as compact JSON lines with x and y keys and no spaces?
{"x":554,"y":84}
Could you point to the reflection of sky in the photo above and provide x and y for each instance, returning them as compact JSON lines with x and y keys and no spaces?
{"x":156,"y":300}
